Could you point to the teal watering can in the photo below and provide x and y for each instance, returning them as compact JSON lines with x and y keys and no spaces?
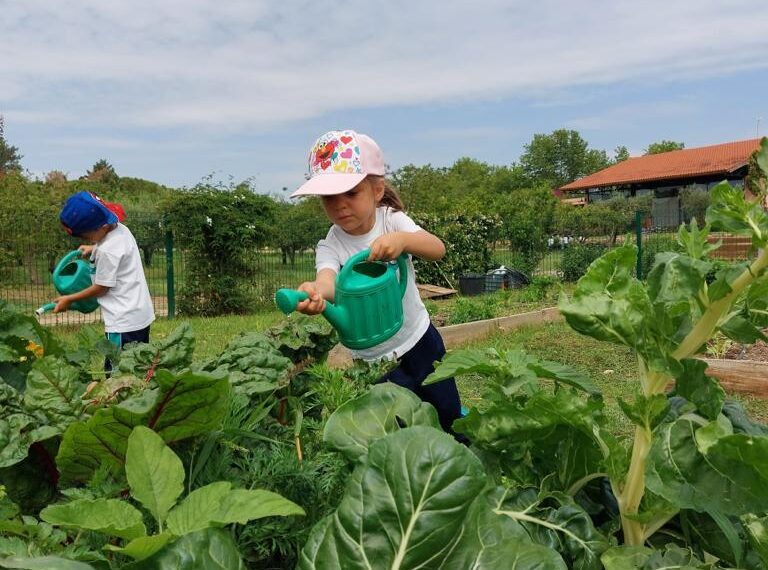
{"x":368,"y":304}
{"x":72,"y":275}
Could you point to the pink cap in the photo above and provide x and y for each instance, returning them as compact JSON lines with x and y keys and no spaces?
{"x":339,"y":161}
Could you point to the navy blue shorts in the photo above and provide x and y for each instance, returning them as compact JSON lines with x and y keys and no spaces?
{"x":121,"y":339}
{"x":418,"y":363}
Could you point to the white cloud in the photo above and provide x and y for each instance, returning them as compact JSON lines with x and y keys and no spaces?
{"x":244,"y":65}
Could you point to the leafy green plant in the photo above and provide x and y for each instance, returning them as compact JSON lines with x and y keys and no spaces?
{"x":467,"y":309}
{"x":576,"y":258}
{"x":155,"y":477}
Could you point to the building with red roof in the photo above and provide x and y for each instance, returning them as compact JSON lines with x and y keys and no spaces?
{"x":665,"y":174}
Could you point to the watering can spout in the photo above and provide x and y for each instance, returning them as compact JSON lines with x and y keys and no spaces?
{"x":287,"y":299}
{"x":337,"y":316}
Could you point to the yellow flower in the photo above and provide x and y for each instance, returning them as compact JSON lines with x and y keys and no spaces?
{"x":35,"y":349}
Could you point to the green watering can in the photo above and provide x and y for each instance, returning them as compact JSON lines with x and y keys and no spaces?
{"x":368,"y":307}
{"x":72,"y":275}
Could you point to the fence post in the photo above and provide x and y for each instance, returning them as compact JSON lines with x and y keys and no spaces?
{"x":170,"y":290}
{"x":639,"y":241}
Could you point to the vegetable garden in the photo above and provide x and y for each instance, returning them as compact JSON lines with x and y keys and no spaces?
{"x":262,"y":456}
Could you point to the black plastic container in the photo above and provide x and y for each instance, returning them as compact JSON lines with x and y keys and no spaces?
{"x":472,"y":283}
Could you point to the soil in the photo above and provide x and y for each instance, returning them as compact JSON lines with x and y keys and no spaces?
{"x":757,"y":351}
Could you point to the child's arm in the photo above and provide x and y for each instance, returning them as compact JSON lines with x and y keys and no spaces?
{"x":63,"y":302}
{"x":421,"y":244}
{"x":322,"y":288}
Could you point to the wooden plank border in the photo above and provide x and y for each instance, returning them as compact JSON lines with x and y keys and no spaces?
{"x":741,"y":376}
{"x":456,"y":335}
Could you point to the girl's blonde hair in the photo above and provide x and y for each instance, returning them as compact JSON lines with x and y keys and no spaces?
{"x":391,"y":198}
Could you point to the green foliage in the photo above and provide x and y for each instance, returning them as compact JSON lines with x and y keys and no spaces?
{"x":219,"y":226}
{"x":467,"y":186}
{"x":577,"y":257}
{"x":102,"y":171}
{"x":694,"y":203}
{"x":298,"y":227}
{"x":620,"y":154}
{"x":654,"y":244}
{"x":10,"y":159}
{"x":663,"y":146}
{"x":527,"y":218}
{"x":560,"y":157}
{"x":155,"y":477}
{"x":468,"y":309}
{"x":467,"y":243}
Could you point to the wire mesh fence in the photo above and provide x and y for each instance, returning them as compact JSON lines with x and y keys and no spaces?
{"x":30,"y":250}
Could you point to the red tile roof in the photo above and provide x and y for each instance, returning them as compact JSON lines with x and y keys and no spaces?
{"x":703,"y":161}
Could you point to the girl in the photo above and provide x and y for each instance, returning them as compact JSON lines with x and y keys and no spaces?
{"x":346,"y":169}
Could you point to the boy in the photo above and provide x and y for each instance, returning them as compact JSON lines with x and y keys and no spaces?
{"x":118,"y":281}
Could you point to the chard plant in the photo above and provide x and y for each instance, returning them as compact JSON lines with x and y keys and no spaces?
{"x":667,"y":321}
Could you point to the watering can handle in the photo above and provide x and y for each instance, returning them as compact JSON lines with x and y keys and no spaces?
{"x":74,"y":254}
{"x":363,"y":255}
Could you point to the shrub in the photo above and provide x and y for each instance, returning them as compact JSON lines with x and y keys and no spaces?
{"x":655,"y":244}
{"x":218,"y":226}
{"x":577,"y":258}
{"x":467,"y":243}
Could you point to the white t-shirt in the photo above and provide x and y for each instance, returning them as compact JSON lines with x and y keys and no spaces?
{"x":127,"y":306}
{"x":338,"y":246}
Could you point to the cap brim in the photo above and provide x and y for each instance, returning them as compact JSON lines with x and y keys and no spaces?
{"x":330,"y":184}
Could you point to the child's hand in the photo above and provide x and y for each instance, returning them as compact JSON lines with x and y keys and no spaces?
{"x":85,"y":250}
{"x":387,"y":247}
{"x":315,"y":304}
{"x":62,"y":304}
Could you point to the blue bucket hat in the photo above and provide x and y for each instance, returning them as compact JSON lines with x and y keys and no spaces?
{"x":85,"y":212}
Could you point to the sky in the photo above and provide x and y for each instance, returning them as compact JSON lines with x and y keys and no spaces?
{"x":177,"y":91}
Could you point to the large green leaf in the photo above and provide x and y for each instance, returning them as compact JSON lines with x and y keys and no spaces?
{"x":608,"y":303}
{"x":154,"y":472}
{"x":17,"y":433}
{"x":218,"y":505}
{"x":731,"y":212}
{"x":555,"y":520}
{"x":54,"y":389}
{"x":196,"y":511}
{"x":384,"y":409}
{"x":643,"y":558}
{"x":144,"y":546}
{"x":210,"y":549}
{"x":702,"y":390}
{"x":491,"y":541}
{"x":181,"y":406}
{"x":173,"y":352}
{"x":404,"y":506}
{"x":110,"y":516}
{"x":757,"y":530}
{"x":712,"y":470}
{"x":44,"y":563}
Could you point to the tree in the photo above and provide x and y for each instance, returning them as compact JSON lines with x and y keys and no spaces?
{"x":299,"y":226}
{"x":620,"y":154}
{"x":664,"y":146}
{"x":10,"y":159}
{"x":102,"y":171}
{"x":560,"y":157}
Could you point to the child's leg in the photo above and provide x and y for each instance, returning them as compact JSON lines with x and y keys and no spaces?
{"x":416,"y":365}
{"x":121,"y":339}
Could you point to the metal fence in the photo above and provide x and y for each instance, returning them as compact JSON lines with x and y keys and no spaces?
{"x":30,"y":250}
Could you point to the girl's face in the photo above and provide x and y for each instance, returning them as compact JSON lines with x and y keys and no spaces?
{"x":355,"y":210}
